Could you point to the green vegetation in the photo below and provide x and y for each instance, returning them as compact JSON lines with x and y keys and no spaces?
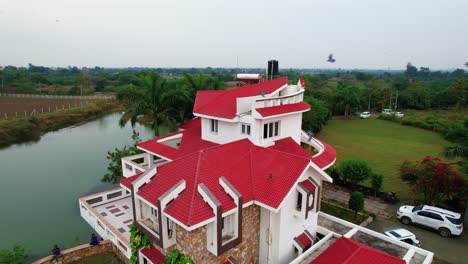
{"x":436,"y":180}
{"x":137,"y":240}
{"x":175,"y":257}
{"x":355,"y":171}
{"x":339,"y":210}
{"x":356,"y":202}
{"x":24,"y":129}
{"x":17,"y":255}
{"x":114,"y":169}
{"x":384,"y":144}
{"x":376,"y":182}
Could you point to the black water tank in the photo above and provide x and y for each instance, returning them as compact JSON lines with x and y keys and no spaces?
{"x":272,"y":69}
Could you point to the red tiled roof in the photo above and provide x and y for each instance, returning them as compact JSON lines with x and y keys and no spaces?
{"x":193,"y":123}
{"x":283,"y":109}
{"x":127,"y":182}
{"x":304,"y":240}
{"x":223,"y":103}
{"x":348,"y":251}
{"x":191,"y":141}
{"x":326,"y":157}
{"x":260,"y":174}
{"x":308,"y":185}
{"x":153,"y":254}
{"x":290,"y":146}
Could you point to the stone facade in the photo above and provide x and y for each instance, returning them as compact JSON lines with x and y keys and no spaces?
{"x":83,"y":251}
{"x":194,"y":243}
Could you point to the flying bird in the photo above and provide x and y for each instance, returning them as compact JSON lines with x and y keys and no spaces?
{"x":466,"y":64}
{"x":330,"y":58}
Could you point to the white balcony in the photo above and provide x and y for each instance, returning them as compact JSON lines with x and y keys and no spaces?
{"x":333,"y":228}
{"x":293,"y":98}
{"x":110,"y":214}
{"x":139,"y":163}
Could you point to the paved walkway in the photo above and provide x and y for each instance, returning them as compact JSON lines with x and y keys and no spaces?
{"x":371,"y":205}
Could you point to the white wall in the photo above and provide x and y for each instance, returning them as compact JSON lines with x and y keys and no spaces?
{"x":227,"y":132}
{"x":289,"y":223}
{"x":290,"y":126}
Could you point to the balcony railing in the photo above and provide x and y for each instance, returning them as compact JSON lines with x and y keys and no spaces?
{"x":296,"y":97}
{"x":99,"y":223}
{"x":138,"y":163}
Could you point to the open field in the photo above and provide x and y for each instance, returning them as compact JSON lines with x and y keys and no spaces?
{"x":24,"y":129}
{"x":384,"y":144}
{"x":24,"y":106}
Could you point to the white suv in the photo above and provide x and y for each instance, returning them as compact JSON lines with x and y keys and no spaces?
{"x":446,"y":222}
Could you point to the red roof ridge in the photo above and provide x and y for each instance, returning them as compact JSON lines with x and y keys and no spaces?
{"x":195,"y":186}
{"x":289,"y":153}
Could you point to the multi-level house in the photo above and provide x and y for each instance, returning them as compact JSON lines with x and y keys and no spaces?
{"x":233,"y":185}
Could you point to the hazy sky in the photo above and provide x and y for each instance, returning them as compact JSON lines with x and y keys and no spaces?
{"x":180,"y":33}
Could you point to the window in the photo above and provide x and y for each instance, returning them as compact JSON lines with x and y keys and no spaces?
{"x":435,"y":216}
{"x":214,"y":126}
{"x":456,"y":221}
{"x":423,"y":213}
{"x":245,"y":129}
{"x":154,"y":212}
{"x":271,"y":130}
{"x":145,"y":261}
{"x":299,"y":201}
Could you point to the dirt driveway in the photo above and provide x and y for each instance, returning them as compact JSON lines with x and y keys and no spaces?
{"x":446,"y":250}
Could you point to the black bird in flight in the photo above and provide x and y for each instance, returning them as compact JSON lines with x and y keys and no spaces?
{"x":330,"y":58}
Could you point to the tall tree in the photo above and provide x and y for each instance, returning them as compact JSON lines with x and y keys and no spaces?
{"x":152,"y":99}
{"x":348,"y":97}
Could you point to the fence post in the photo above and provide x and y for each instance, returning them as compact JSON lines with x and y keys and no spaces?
{"x":25,"y":113}
{"x":16,"y":114}
{"x":6,"y":116}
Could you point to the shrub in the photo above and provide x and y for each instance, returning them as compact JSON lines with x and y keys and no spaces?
{"x":356,"y":202}
{"x":433,"y":178}
{"x":17,"y":255}
{"x":355,"y":170}
{"x":137,"y":239}
{"x":376,"y":182}
{"x":175,"y":257}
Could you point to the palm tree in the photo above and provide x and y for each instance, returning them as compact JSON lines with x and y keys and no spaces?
{"x":153,"y":98}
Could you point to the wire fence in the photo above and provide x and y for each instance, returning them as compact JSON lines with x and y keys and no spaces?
{"x":47,"y":96}
{"x":41,"y":110}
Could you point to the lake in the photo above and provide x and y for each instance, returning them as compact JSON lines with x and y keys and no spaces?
{"x":41,"y":183}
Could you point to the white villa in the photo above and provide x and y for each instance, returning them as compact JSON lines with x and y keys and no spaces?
{"x":234,"y":185}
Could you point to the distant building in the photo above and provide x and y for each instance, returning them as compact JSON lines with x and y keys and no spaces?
{"x":233,"y":185}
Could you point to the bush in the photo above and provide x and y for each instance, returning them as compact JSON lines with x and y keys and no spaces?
{"x":376,"y":182}
{"x":17,"y":255}
{"x":356,"y":202}
{"x":436,"y":180}
{"x":137,"y":239}
{"x":175,"y":257}
{"x":354,"y":170}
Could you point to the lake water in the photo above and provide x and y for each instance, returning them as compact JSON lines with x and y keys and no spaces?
{"x":41,"y":183}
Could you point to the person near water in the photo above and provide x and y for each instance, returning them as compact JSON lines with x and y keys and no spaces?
{"x":94,"y":240}
{"x":56,"y":252}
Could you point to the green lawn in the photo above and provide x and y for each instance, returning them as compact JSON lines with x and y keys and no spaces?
{"x":384,"y":144}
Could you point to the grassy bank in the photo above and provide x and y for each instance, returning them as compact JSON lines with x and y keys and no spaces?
{"x":384,"y":144}
{"x":25,"y":129}
{"x":433,"y":120}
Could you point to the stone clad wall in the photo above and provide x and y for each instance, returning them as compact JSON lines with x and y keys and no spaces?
{"x":83,"y":251}
{"x":194,"y":243}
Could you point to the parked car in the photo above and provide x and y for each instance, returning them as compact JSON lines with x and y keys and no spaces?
{"x":387,"y":111}
{"x":365,"y":115}
{"x":403,"y":235}
{"x":399,"y":114}
{"x":446,"y":222}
